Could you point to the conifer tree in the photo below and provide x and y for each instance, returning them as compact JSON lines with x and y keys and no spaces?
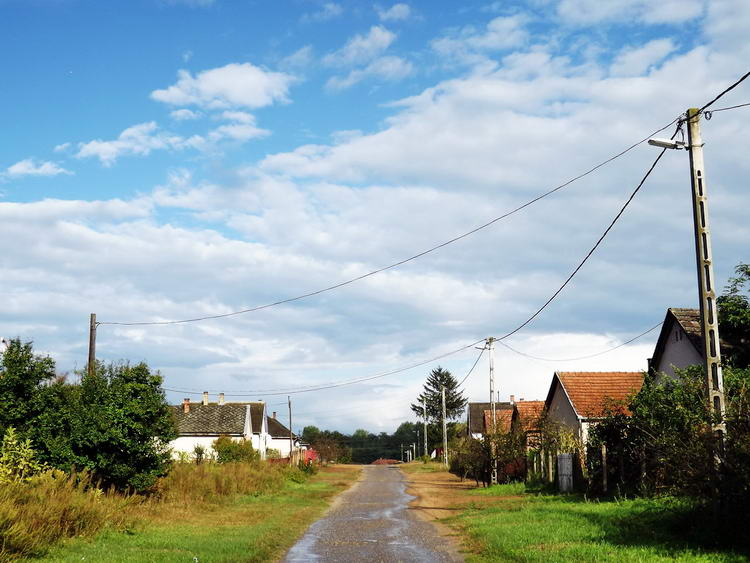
{"x":431,"y":394}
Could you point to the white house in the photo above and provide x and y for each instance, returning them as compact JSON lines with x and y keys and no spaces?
{"x":577,"y":399}
{"x":202,"y":423}
{"x":680,"y":343}
{"x":278,"y":436}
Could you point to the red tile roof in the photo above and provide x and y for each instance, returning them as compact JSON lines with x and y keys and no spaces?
{"x":529,"y":413}
{"x":591,"y":391}
{"x":503,"y":418}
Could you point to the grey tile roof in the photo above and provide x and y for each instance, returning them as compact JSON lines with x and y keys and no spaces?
{"x":214,"y":419}
{"x":276,"y":429}
{"x":690,"y":321}
{"x":211,"y":419}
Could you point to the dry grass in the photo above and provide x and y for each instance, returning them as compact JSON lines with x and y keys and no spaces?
{"x":53,"y":506}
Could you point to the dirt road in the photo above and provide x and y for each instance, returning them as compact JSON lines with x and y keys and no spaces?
{"x":372,"y":522}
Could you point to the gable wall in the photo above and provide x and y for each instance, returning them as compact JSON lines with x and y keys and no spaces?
{"x":562,"y":411}
{"x":678,"y":351}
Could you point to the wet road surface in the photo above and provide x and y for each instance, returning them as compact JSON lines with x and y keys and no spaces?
{"x":372,"y":522}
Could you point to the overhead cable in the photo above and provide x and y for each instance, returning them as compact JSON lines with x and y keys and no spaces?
{"x":607,"y":351}
{"x":726,"y":91}
{"x":400,"y":262}
{"x":336,"y":384}
{"x":481,"y":351}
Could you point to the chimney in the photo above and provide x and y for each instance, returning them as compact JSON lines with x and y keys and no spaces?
{"x":221,"y":398}
{"x":274,"y":415}
{"x":186,"y":405}
{"x":205,"y":398}
{"x":512,"y":399}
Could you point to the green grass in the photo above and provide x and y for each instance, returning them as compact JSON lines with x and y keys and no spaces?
{"x":506,"y":523}
{"x":421,"y":467}
{"x":248,"y":528}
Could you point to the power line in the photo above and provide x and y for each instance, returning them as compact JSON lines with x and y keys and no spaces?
{"x":709,"y":113}
{"x":593,"y":248}
{"x":400,"y":262}
{"x":607,"y":351}
{"x":725,"y":91}
{"x":269,"y":392}
{"x":472,"y":367}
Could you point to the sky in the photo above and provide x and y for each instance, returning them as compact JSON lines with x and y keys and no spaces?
{"x":172,"y":159}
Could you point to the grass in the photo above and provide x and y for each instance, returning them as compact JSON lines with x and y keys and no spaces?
{"x":508,"y":523}
{"x":421,"y":467}
{"x":258,"y":526}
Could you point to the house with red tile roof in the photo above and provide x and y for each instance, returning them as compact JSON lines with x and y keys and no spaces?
{"x":680,"y":343}
{"x":526,"y":415}
{"x":502,"y":423}
{"x":577,"y":399}
{"x":476,"y":425}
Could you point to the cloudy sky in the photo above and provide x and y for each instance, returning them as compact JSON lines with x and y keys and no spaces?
{"x":171,"y":159}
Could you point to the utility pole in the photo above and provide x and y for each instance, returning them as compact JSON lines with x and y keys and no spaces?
{"x":92,"y":344}
{"x":402,"y":453}
{"x":291,"y":439}
{"x":493,"y":462}
{"x":704,"y":262}
{"x":445,"y":433}
{"x":424,"y":409}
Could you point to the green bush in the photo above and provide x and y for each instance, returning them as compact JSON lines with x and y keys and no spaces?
{"x":228,"y":450}
{"x":18,"y":461}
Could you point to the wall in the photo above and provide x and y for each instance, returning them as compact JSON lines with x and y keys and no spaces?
{"x":678,"y":351}
{"x":560,"y":410}
{"x":187,"y":445}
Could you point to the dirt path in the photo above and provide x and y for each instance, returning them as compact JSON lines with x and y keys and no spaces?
{"x":373,"y":522}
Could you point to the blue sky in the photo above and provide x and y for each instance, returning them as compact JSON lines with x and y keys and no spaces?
{"x":165,"y":159}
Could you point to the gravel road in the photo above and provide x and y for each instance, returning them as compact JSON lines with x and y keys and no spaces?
{"x":372,"y":522}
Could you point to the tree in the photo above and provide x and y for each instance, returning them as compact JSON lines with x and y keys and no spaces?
{"x":310,"y":434}
{"x":22,"y":376}
{"x":734,"y":318}
{"x":454,"y":399}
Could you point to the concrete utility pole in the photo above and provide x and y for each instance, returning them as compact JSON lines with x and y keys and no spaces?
{"x":424,"y":409}
{"x":491,"y":351}
{"x":445,"y":431}
{"x":704,"y":262}
{"x":92,"y":344}
{"x":291,"y":438}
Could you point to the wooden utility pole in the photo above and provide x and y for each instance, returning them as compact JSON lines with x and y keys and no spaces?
{"x":706,"y":291}
{"x":291,"y":438}
{"x":92,"y":345}
{"x":445,"y":430}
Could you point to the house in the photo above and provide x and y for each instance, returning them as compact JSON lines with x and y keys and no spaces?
{"x":278,"y":436}
{"x":680,"y":343}
{"x":202,"y":423}
{"x":475,"y":418}
{"x":577,"y":399}
{"x":503,"y":418}
{"x":526,"y":416}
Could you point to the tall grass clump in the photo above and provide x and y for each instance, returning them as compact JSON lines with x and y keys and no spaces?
{"x":216,"y":482}
{"x":51,"y":506}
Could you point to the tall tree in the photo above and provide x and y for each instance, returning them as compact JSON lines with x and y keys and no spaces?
{"x":734,"y":318}
{"x":431,"y":394}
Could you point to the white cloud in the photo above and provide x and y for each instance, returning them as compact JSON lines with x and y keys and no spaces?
{"x":387,"y":68}
{"x":361,"y":48}
{"x":328,"y":11}
{"x":31,"y":167}
{"x":394,"y":13}
{"x":241,"y":116}
{"x":634,"y":61}
{"x":631,"y":11}
{"x":62,"y":147}
{"x":233,"y":85}
{"x":184,"y":114}
{"x":469,"y":44}
{"x":137,"y":140}
{"x":300,"y":59}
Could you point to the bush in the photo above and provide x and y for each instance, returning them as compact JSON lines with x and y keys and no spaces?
{"x":18,"y":461}
{"x":228,"y":450}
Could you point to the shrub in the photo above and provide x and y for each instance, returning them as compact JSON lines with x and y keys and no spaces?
{"x":228,"y":450}
{"x":18,"y":461}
